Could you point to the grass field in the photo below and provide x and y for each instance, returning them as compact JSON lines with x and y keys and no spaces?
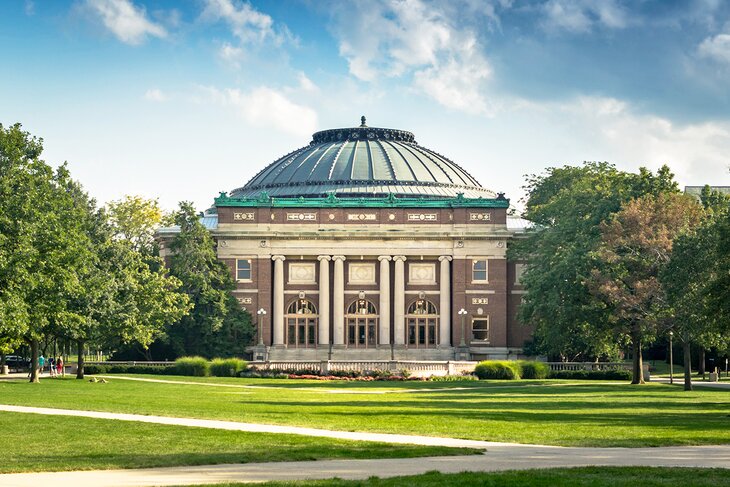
{"x":54,"y":443}
{"x":574,"y":477}
{"x":555,"y":413}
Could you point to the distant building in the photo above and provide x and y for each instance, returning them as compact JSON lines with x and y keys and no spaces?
{"x":364,"y":245}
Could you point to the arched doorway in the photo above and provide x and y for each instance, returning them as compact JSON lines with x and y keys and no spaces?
{"x":301,"y":324}
{"x":361,"y":324}
{"x":422,"y":324}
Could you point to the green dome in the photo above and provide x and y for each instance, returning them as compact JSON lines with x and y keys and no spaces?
{"x":360,"y":162}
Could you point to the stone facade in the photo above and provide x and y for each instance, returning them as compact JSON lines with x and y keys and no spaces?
{"x":405,"y":272}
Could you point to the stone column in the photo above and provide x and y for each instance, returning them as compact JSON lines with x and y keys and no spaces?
{"x":399,"y":301}
{"x":445,"y":302}
{"x":384,"y":299}
{"x":278,"y":310}
{"x":324,"y":299}
{"x":338,"y":301}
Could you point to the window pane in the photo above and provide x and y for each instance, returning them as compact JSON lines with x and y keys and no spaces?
{"x":480,"y":265}
{"x":480,"y":276}
{"x":291,"y":338}
{"x":243,"y":269}
{"x":351,"y":333}
{"x":432,"y":332}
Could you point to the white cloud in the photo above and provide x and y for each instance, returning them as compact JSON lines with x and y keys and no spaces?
{"x":582,"y":15}
{"x":267,"y":107}
{"x":397,"y":38}
{"x":155,"y":94}
{"x":717,"y":48}
{"x":126,"y":21}
{"x":697,"y":153}
{"x":231,"y":54}
{"x":247,"y":24}
{"x":306,"y":84}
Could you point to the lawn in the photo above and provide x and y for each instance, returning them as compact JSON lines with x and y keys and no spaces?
{"x":574,"y":477}
{"x":54,"y":443}
{"x":551,"y":412}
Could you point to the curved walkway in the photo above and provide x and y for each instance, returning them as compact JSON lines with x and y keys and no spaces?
{"x":498,"y":456}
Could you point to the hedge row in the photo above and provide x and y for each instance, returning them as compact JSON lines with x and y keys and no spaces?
{"x":528,"y":369}
{"x":190,"y":366}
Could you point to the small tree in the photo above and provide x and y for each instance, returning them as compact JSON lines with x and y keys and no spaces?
{"x":636,"y":245}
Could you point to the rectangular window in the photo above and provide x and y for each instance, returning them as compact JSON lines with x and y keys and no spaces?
{"x":243,"y":270}
{"x":480,"y":329}
{"x":479,"y":270}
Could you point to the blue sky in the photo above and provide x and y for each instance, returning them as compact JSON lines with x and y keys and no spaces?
{"x":181,"y":99}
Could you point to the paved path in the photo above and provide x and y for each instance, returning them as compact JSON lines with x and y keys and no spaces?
{"x":262,"y":428}
{"x":504,"y":457}
{"x":498,"y":456}
{"x":679,"y":381}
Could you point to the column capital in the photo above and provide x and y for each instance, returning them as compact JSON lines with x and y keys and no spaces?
{"x":278,"y":257}
{"x":401,"y":258}
{"x":445,"y":258}
{"x":384,"y":257}
{"x":324,"y":257}
{"x":339,"y":257}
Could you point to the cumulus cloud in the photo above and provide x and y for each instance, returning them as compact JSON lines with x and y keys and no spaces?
{"x":583,"y":15}
{"x":418,"y":38}
{"x":697,"y":153}
{"x":717,"y":48}
{"x":155,"y":94}
{"x":267,"y":107}
{"x":125,"y":20}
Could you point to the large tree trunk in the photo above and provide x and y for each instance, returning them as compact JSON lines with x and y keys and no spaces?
{"x":638,"y":364}
{"x":34,"y":361}
{"x":687,"y":366}
{"x":80,"y":359}
{"x":701,"y":362}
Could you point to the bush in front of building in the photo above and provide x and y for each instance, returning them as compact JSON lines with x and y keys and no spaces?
{"x":498,"y":369}
{"x":532,"y":369}
{"x":227,"y":367}
{"x":192,"y":366}
{"x":614,"y":374}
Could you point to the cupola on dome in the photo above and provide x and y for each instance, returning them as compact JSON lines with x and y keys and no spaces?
{"x":363,"y":162}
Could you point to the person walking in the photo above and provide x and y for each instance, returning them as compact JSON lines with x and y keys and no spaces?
{"x":41,"y":363}
{"x":52,"y":366}
{"x":59,"y":367}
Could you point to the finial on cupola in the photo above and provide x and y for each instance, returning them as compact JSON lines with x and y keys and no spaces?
{"x":362,"y":120}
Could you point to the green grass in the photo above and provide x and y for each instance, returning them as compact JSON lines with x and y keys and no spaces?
{"x":576,"y":477}
{"x":555,"y":413}
{"x":52,"y":443}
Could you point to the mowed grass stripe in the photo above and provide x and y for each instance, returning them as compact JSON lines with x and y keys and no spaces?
{"x":593,"y":414}
{"x":53,"y":443}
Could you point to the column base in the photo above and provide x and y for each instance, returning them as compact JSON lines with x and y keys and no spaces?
{"x":260,"y":353}
{"x":461,"y":353}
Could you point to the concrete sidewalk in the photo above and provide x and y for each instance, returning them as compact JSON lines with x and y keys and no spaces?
{"x":504,"y":457}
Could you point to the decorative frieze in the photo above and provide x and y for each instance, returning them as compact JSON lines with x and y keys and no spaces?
{"x":478,"y":217}
{"x":361,"y":273}
{"x":301,"y":273}
{"x":427,"y":217}
{"x":301,"y":216}
{"x":245,"y":216}
{"x":421,"y":273}
{"x":361,"y":217}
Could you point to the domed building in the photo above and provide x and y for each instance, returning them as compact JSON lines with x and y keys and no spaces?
{"x":364,"y":245}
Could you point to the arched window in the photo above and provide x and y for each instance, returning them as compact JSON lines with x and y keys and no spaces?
{"x":361,"y":324}
{"x":302,"y":307}
{"x":422,"y":324}
{"x":422,"y":307}
{"x":301,"y":324}
{"x":362,"y":307}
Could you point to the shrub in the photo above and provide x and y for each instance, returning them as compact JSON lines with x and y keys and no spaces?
{"x":497,"y":369}
{"x":96,"y":369}
{"x":227,"y":367}
{"x":194,"y":366}
{"x":451,"y":378}
{"x":614,"y":374}
{"x":532,"y":369}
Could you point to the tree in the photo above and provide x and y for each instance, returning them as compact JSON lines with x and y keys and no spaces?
{"x":567,"y":205}
{"x":135,"y":219}
{"x":635,"y":247}
{"x":42,"y":244}
{"x":216,"y":325}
